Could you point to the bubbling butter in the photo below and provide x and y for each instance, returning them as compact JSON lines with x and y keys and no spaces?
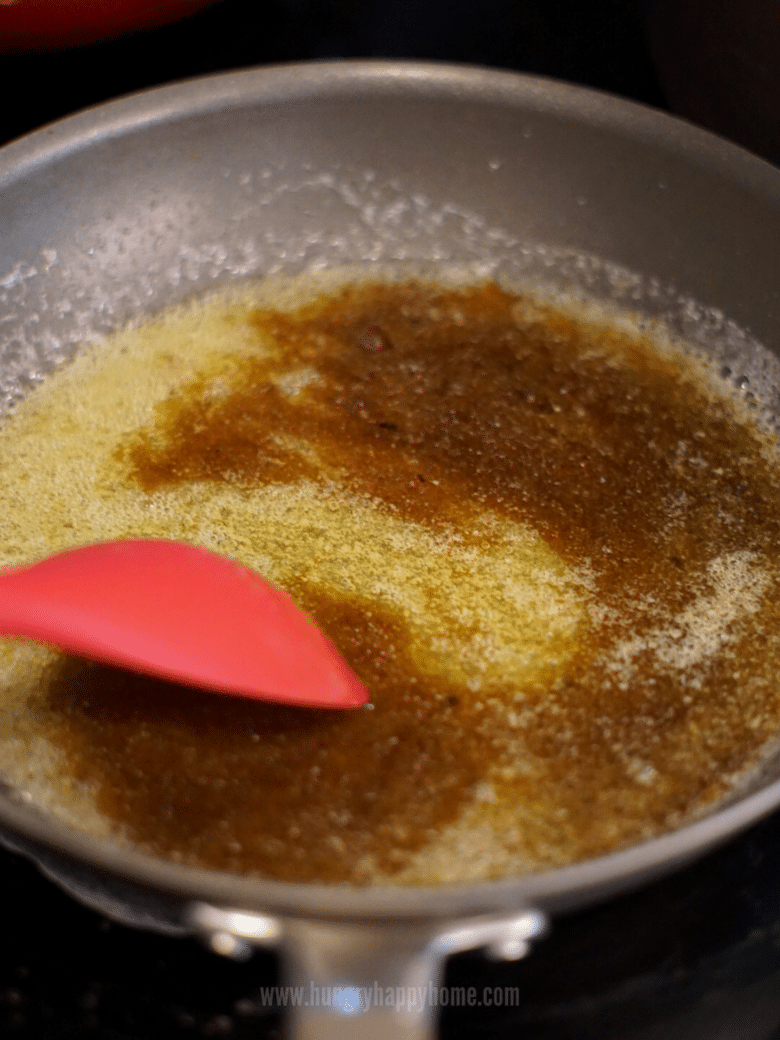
{"x":545,"y":543}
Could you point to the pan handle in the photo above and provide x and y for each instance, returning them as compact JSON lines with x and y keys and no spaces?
{"x":348,"y":980}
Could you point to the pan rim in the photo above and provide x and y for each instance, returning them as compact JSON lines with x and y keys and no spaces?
{"x":298,"y":81}
{"x":554,"y":891}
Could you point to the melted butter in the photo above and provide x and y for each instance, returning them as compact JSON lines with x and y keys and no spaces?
{"x":547,"y":548}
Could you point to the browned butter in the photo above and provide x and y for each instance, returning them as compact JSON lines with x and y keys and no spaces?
{"x":457,"y":416}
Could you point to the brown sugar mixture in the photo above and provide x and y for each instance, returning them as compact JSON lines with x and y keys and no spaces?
{"x":473,"y":428}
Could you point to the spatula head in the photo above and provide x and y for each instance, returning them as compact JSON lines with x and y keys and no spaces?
{"x":179,"y":612}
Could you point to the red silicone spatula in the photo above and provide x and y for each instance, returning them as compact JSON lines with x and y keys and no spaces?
{"x":178,"y":612}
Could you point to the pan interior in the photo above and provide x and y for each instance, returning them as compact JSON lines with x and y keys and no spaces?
{"x":170,"y":353}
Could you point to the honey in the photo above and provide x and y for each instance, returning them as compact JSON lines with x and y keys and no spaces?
{"x":546,"y":545}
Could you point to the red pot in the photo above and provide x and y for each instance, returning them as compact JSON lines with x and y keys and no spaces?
{"x":56,"y":24}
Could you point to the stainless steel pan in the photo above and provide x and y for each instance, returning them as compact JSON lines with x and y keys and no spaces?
{"x":126,"y":208}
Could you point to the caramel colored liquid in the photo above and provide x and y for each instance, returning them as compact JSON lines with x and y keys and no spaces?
{"x":440,"y":407}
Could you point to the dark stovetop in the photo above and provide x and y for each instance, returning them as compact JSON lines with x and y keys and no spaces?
{"x":695,"y":957}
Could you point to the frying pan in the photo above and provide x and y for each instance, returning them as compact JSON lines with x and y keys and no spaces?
{"x":123,"y":209}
